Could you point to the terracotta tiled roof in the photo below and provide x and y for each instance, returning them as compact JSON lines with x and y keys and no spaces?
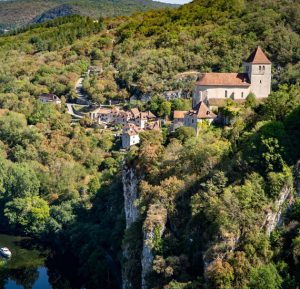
{"x":135,"y":111}
{"x":179,"y":113}
{"x":96,"y":68}
{"x":201,"y":111}
{"x":150,"y":114}
{"x":257,"y":56}
{"x":224,"y":79}
{"x":130,"y":125}
{"x":49,"y":96}
{"x":104,"y":111}
{"x":134,"y":131}
{"x":115,"y":110}
{"x":151,"y":125}
{"x":123,"y":114}
{"x":156,"y":127}
{"x":216,"y":101}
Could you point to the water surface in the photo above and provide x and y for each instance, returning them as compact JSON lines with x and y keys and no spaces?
{"x":36,"y":268}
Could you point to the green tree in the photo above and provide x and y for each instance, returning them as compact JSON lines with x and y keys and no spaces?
{"x":265,"y":276}
{"x":94,"y":185}
{"x":251,"y":101}
{"x":184,"y":133}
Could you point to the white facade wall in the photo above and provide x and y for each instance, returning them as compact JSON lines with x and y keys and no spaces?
{"x":129,"y":140}
{"x":204,"y":93}
{"x":140,"y":123}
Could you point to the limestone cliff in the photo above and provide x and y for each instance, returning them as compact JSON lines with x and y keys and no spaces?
{"x":131,"y":179}
{"x":153,"y":227}
{"x":156,"y":219}
{"x":273,"y":218}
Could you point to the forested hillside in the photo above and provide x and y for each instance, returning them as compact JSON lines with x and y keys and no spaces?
{"x":18,"y":13}
{"x":62,"y":183}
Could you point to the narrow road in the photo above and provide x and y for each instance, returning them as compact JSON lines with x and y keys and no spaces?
{"x":81,"y":97}
{"x":71,"y":111}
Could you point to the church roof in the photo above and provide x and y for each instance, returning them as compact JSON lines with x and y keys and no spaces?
{"x":224,"y":79}
{"x":201,"y":111}
{"x":257,"y":56}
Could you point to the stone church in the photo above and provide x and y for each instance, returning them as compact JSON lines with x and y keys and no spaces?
{"x":256,"y":78}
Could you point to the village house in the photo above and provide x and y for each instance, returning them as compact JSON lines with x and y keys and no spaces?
{"x":95,"y":69}
{"x":199,"y":114}
{"x":131,"y":137}
{"x":153,"y":125}
{"x":117,"y":116}
{"x":129,"y":126}
{"x":256,"y":78}
{"x":179,"y":116}
{"x":144,"y":117}
{"x":48,"y":97}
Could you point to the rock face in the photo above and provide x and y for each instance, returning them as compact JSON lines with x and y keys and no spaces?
{"x":167,"y":95}
{"x":284,"y":203}
{"x":156,"y":219}
{"x":131,"y":180}
{"x":275,"y":218}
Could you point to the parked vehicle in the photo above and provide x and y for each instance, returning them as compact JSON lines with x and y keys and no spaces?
{"x":5,"y":252}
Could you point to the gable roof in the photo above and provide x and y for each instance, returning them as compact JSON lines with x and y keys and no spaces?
{"x":179,"y":113}
{"x":257,"y":56}
{"x":130,"y":125}
{"x":201,"y":111}
{"x":135,"y":111}
{"x":49,"y":96}
{"x":115,"y":110}
{"x":134,"y":131}
{"x":224,"y":79}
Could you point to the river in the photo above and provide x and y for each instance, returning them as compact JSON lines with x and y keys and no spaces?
{"x":36,"y":268}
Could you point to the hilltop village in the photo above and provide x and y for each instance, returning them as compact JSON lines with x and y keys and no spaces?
{"x":210,"y":91}
{"x":157,"y":150}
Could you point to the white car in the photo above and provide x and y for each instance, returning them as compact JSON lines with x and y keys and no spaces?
{"x":5,"y":252}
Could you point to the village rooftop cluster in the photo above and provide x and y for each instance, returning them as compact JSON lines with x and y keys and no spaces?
{"x":209,"y":92}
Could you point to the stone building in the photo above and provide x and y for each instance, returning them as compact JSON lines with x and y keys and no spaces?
{"x":49,"y":97}
{"x":200,"y":113}
{"x":131,"y":137}
{"x":256,"y":78}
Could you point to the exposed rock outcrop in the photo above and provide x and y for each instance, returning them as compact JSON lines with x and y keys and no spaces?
{"x":156,"y":219}
{"x":131,"y":179}
{"x":275,"y":218}
{"x":167,"y":95}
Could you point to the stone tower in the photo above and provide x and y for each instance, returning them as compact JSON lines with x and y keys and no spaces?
{"x":258,"y":68}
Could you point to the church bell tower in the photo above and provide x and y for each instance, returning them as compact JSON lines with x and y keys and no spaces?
{"x":258,"y":68}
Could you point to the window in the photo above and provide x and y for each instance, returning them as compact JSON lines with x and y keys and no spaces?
{"x":225,"y":93}
{"x":192,"y":121}
{"x":247,"y":68}
{"x":260,"y":81}
{"x":259,"y":68}
{"x":178,"y":119}
{"x":242,"y":94}
{"x":188,"y":120}
{"x":263,"y":67}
